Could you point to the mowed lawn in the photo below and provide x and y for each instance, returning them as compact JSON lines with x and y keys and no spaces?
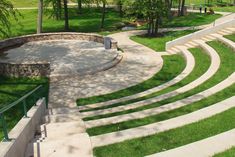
{"x":161,"y":41}
{"x":90,"y":21}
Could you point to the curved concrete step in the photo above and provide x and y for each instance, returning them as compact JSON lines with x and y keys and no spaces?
{"x":190,"y":63}
{"x":224,"y":40}
{"x":146,"y":130}
{"x":167,"y":107}
{"x":215,"y":63}
{"x":203,"y":148}
{"x":90,"y":70}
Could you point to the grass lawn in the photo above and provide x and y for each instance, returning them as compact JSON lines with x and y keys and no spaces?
{"x":158,"y":43}
{"x":90,"y":21}
{"x":226,"y":68}
{"x":140,"y":147}
{"x":228,"y":153}
{"x":230,"y":37}
{"x":202,"y":63}
{"x":12,"y":89}
{"x":173,"y":66}
{"x":225,"y":9}
{"x":24,"y":3}
{"x":192,"y":19}
{"x":202,"y":2}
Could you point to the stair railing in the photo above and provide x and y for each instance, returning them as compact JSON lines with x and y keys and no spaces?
{"x":22,"y":101}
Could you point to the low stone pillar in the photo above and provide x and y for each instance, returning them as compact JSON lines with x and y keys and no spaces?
{"x":107,"y":43}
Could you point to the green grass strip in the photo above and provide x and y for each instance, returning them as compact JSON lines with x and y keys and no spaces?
{"x":186,"y":21}
{"x":170,"y":139}
{"x":222,"y":95}
{"x":202,"y":63}
{"x":161,"y":41}
{"x":227,"y":67}
{"x":230,"y":37}
{"x":228,"y":153}
{"x":173,"y":66}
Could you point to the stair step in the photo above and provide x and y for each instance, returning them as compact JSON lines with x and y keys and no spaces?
{"x":189,"y":45}
{"x":62,"y":118}
{"x":231,"y":29}
{"x":175,"y":49}
{"x":193,"y":43}
{"x":222,"y":33}
{"x":205,"y":39}
{"x":171,"y":52}
{"x":57,"y":130}
{"x":62,"y":110}
{"x":70,"y":146}
{"x":210,"y":37}
{"x":226,"y":31}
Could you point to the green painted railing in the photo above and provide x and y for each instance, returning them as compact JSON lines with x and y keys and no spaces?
{"x":21,"y":101}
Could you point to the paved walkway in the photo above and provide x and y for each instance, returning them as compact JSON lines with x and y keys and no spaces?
{"x":215,"y":64}
{"x":139,"y":63}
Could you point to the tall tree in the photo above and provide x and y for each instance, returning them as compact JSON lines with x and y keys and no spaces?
{"x":103,"y":13}
{"x":79,"y":6}
{"x":40,"y":15}
{"x":182,"y":8}
{"x":152,"y":10}
{"x":66,"y":16}
{"x":6,"y":12}
{"x":179,"y":7}
{"x":119,"y":4}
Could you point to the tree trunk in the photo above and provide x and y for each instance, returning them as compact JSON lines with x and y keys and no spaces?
{"x":79,"y":6}
{"x":182,"y":8}
{"x":58,"y":7}
{"x":66,"y":16}
{"x":120,"y":8}
{"x":40,"y":14}
{"x":103,"y":14}
{"x":179,"y":5}
{"x":168,"y":5}
{"x":157,"y":24}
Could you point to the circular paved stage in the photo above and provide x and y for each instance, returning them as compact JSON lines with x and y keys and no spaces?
{"x":66,"y":57}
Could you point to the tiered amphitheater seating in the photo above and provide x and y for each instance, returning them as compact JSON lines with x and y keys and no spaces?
{"x":111,"y":114}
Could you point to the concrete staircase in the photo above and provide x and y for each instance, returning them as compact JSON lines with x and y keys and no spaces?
{"x":62,"y":134}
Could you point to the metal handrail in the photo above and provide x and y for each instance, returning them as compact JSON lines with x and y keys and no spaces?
{"x":6,"y":108}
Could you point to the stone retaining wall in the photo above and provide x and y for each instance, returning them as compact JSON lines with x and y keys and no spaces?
{"x":40,"y":69}
{"x":25,"y":69}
